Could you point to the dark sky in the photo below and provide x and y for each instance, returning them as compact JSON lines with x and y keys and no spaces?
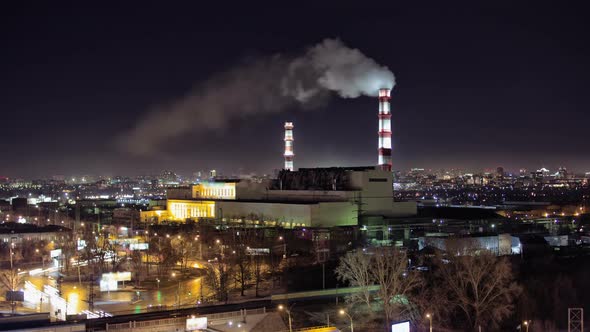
{"x":500,"y":84}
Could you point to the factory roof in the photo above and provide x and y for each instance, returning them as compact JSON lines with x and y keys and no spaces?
{"x":266,"y":201}
{"x":350,"y":168}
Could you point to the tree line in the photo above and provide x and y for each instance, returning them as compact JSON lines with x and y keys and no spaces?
{"x":465,"y":290}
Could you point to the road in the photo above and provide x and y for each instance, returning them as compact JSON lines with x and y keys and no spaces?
{"x":125,"y":300}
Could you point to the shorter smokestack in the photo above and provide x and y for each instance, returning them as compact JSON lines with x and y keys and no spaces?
{"x":289,"y":146}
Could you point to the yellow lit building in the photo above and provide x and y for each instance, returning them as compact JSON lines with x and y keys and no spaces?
{"x":153,"y":216}
{"x":322,"y":197}
{"x":179,"y":209}
{"x":214,"y":190}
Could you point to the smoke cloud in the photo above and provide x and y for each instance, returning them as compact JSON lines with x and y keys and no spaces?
{"x":263,"y":86}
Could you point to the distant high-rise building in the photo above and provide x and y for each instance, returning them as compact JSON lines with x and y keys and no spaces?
{"x":543,"y":172}
{"x":168,"y":177}
{"x":562,"y":173}
{"x":197,"y":176}
{"x":500,"y":172}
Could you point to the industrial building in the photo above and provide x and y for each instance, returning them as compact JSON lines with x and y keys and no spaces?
{"x":308,"y":197}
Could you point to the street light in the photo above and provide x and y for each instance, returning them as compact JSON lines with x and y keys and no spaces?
{"x":79,"y":276}
{"x":342,"y":312}
{"x":200,"y":247}
{"x":429,"y":316}
{"x":220,"y":248}
{"x":526,"y":324}
{"x":177,"y":289}
{"x":281,"y":307}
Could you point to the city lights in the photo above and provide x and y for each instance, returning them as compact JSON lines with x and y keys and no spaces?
{"x":149,"y":178}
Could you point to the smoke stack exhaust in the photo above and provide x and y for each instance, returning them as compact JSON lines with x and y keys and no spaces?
{"x":384,"y":160}
{"x":289,"y":146}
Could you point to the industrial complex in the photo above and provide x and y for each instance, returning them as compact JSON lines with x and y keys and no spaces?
{"x":308,"y":197}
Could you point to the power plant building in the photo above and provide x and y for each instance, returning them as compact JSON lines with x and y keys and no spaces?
{"x":308,"y":197}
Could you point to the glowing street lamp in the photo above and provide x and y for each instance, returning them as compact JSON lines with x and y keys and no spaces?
{"x":342,"y":312}
{"x":288,"y":311}
{"x":429,"y":316}
{"x":177,"y":289}
{"x":526,"y":325}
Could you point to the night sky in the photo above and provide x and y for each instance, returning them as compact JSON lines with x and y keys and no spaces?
{"x":477,"y":87}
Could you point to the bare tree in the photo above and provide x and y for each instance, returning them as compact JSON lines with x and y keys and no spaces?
{"x":355,"y":269}
{"x":239,"y":244}
{"x":10,"y":280}
{"x":397,"y":283}
{"x":68,"y":250}
{"x":168,"y":258}
{"x":185,"y":248}
{"x":155,"y":251}
{"x":165,"y":253}
{"x":480,"y":287}
{"x":90,"y":251}
{"x":217,"y":278}
{"x":136,"y":266}
{"x":257,"y":266}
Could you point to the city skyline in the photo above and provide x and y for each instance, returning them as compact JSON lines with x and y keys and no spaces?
{"x":477,"y":87}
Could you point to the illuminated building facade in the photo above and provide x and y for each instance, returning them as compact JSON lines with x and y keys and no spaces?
{"x":214,"y":190}
{"x":309,"y":197}
{"x":190,"y":209}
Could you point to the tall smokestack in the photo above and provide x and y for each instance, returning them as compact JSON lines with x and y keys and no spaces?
{"x":384,"y":130}
{"x":289,"y":146}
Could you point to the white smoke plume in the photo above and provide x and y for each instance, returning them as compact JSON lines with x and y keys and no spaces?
{"x":263,"y":86}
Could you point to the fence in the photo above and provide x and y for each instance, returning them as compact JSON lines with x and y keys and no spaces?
{"x":153,"y":324}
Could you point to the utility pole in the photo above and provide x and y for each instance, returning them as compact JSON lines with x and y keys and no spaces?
{"x":91,"y":293}
{"x":323,"y":275}
{"x":11,"y":253}
{"x":13,"y":276}
{"x":79,"y":277}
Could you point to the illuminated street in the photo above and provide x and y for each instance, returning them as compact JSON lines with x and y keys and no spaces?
{"x":122,"y":301}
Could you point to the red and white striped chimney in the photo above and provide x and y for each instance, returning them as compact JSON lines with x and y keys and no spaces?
{"x":289,"y":146}
{"x":384,"y":130}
